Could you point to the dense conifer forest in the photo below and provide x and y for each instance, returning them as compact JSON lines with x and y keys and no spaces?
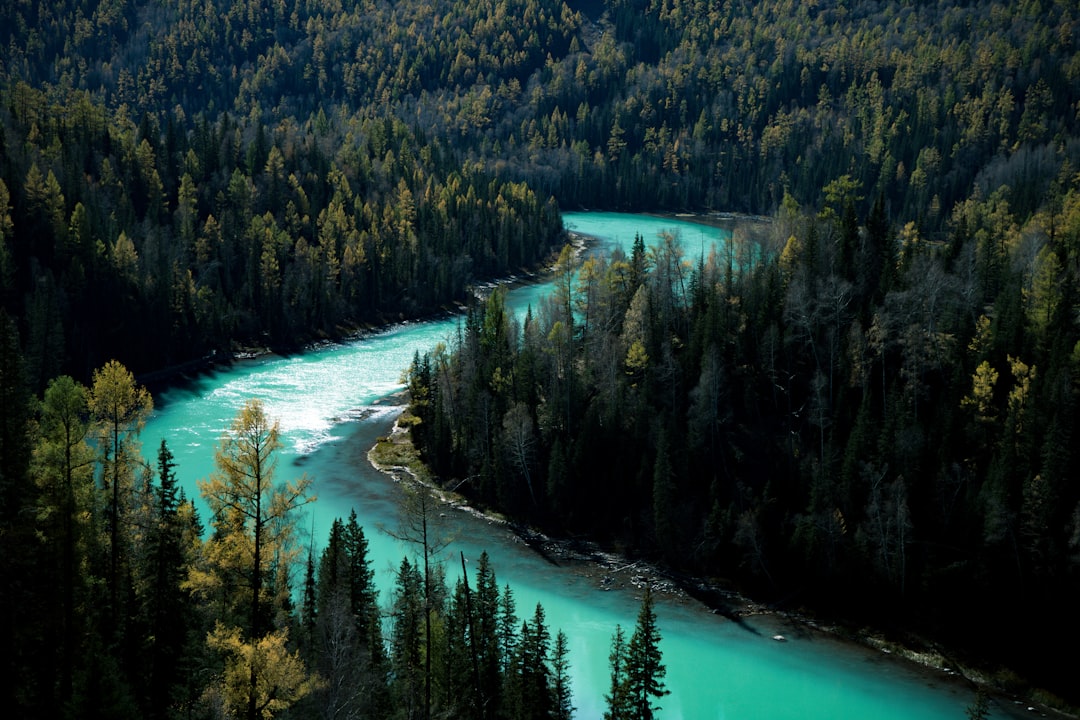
{"x":868,"y":407}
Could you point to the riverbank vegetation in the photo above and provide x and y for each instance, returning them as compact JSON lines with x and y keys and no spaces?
{"x":868,"y":424}
{"x":121,"y":603}
{"x":872,"y":411}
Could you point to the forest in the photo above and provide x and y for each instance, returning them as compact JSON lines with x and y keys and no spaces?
{"x":867,"y":409}
{"x":124,"y":605}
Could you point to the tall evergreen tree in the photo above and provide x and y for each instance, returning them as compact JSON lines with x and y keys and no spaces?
{"x":167,"y":607}
{"x":407,"y":648}
{"x":618,"y":706}
{"x":490,"y":659}
{"x":347,"y":646}
{"x":528,"y":682}
{"x":645,"y":668}
{"x":363,"y":595}
{"x":562,"y":693}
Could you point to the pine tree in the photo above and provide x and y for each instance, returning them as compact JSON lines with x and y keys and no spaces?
{"x":562,"y":694}
{"x":645,"y":670}
{"x":167,"y":608}
{"x":618,"y":707}
{"x":406,"y":642}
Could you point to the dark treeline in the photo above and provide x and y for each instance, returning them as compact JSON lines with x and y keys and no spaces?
{"x":845,"y":417}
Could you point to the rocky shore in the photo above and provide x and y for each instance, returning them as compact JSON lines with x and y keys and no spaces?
{"x":395,"y":456}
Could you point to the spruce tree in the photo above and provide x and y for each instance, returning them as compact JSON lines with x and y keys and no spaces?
{"x":617,"y":705}
{"x":562,"y":694}
{"x":363,"y":596}
{"x":166,"y":607}
{"x":406,"y":641}
{"x":485,"y":625}
{"x":645,"y":670}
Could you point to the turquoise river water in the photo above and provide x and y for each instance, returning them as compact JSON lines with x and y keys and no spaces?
{"x":327,"y":401}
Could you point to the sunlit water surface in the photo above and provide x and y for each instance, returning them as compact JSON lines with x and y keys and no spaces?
{"x":327,"y":403}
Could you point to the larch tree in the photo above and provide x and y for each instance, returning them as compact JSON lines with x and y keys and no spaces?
{"x":262,"y":678}
{"x":62,"y":467}
{"x":119,"y":408}
{"x":250,"y":555}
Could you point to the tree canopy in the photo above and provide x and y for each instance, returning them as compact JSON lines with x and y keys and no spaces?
{"x":870,"y":404}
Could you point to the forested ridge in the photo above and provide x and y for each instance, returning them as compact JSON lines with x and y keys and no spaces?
{"x":870,"y":408}
{"x":251,"y":170}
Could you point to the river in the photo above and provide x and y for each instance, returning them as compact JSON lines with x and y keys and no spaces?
{"x":328,"y":404}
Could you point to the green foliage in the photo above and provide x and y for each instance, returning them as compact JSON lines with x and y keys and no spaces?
{"x":637,"y":668}
{"x":618,"y":700}
{"x":645,"y":668}
{"x":271,"y":180}
{"x":207,"y":626}
{"x":877,"y":410}
{"x":310,"y":243}
{"x":896,"y":440}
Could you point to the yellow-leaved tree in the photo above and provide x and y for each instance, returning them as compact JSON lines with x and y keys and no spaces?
{"x":248,"y":560}
{"x":261,"y":678}
{"x":119,"y":407}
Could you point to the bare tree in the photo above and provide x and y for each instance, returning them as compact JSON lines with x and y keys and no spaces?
{"x":421,"y":525}
{"x":520,"y":441}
